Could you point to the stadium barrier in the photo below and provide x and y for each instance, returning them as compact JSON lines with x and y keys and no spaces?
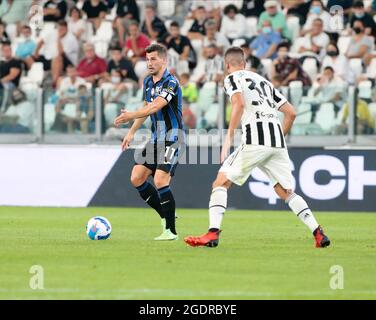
{"x":80,"y":176}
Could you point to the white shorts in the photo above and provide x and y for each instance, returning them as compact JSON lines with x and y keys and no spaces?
{"x":274,"y":162}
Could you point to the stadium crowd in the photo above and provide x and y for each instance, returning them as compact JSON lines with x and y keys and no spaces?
{"x":311,"y":50}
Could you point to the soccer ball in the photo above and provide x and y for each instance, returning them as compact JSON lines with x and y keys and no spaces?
{"x":98,"y":228}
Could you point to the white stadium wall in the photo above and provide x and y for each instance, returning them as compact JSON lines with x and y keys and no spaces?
{"x":80,"y":176}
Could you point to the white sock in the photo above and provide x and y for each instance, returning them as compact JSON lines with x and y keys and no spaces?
{"x":217,"y":207}
{"x":298,"y":205}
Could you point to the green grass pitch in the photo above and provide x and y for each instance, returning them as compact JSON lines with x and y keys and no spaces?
{"x":262,"y":255}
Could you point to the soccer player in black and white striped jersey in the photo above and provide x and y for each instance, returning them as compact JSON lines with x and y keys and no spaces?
{"x":255,"y":104}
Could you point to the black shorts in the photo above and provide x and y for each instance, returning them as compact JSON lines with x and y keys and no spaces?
{"x":160,"y":155}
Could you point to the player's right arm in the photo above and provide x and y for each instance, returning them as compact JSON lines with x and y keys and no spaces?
{"x":130,"y":135}
{"x":234,"y":90}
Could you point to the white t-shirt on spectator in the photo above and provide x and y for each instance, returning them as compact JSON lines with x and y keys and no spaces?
{"x":329,"y":90}
{"x":76,"y":26}
{"x":208,"y":5}
{"x":324,"y":16}
{"x":66,"y":85}
{"x":341,"y":66}
{"x":24,"y":111}
{"x":220,"y":41}
{"x":69,"y":42}
{"x":322,"y":40}
{"x":234,"y":28}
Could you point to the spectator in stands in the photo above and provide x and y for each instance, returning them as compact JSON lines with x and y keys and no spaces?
{"x":67,"y":86}
{"x":233,"y":24}
{"x":121,"y":63}
{"x":317,"y":10}
{"x":287,"y":68}
{"x":67,"y":51}
{"x":95,"y":11}
{"x":136,"y":43}
{"x":188,"y":88}
{"x":299,"y":8}
{"x":361,"y":45}
{"x":91,"y":67}
{"x":181,"y":45}
{"x":18,"y":118}
{"x":214,"y":37}
{"x":366,"y":18}
{"x":328,"y":88}
{"x":276,"y":17}
{"x":197,"y":30}
{"x":252,"y":8}
{"x":315,"y":41}
{"x":115,"y":98}
{"x":126,"y":11}
{"x":57,"y":46}
{"x":338,"y":62}
{"x":252,"y":62}
{"x":27,"y":46}
{"x":153,"y":26}
{"x":77,"y":25}
{"x":365,"y":123}
{"x":14,"y":14}
{"x":54,"y":10}
{"x":3,"y":34}
{"x":10,"y":68}
{"x":75,"y":112}
{"x":212,"y":9}
{"x":214,"y":67}
{"x":264,"y":46}
{"x":189,"y":117}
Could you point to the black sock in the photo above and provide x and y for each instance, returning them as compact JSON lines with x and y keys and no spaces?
{"x":213,"y":230}
{"x":151,"y":197}
{"x":168,"y":207}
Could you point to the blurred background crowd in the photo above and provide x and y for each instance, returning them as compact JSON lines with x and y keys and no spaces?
{"x":312,"y":50}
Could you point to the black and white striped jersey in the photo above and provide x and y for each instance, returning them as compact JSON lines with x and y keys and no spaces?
{"x":260,"y":123}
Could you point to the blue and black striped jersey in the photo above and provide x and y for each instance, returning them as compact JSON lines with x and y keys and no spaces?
{"x":167,"y":123}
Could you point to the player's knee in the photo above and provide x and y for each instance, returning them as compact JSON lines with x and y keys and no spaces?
{"x":221,"y":181}
{"x":160,"y":182}
{"x":137,"y":180}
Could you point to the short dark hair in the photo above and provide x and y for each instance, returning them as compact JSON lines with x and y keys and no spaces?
{"x":358,"y":4}
{"x":133,"y":22}
{"x":284,"y":44}
{"x":75,"y":9}
{"x":63,"y":23}
{"x":157,"y":47}
{"x":175,"y":24}
{"x":235,"y":55}
{"x":229,"y":8}
{"x":6,"y":43}
{"x":329,"y":68}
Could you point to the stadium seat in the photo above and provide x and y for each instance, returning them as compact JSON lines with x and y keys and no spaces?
{"x":310,"y":66}
{"x":166,"y":9}
{"x":186,"y":26}
{"x":356,"y":66}
{"x":372,"y":110}
{"x":343,"y":43}
{"x":293,"y":26}
{"x":296,"y":92}
{"x":371,"y":69}
{"x":101,"y":48}
{"x":35,"y":74}
{"x":365,"y":89}
{"x":325,"y":117}
{"x":251,"y":23}
{"x":49,"y":115}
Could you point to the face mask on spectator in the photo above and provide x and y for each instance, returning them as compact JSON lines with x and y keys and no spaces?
{"x":316,"y":10}
{"x":357,"y":30}
{"x":115,"y":79}
{"x":332,"y":53}
{"x":266,"y":30}
{"x":359,"y":14}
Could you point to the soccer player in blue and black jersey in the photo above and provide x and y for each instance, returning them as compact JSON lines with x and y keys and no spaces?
{"x":159,"y":158}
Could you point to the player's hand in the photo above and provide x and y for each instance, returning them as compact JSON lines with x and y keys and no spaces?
{"x":225,"y":150}
{"x":126,"y":141}
{"x":124,"y":117}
